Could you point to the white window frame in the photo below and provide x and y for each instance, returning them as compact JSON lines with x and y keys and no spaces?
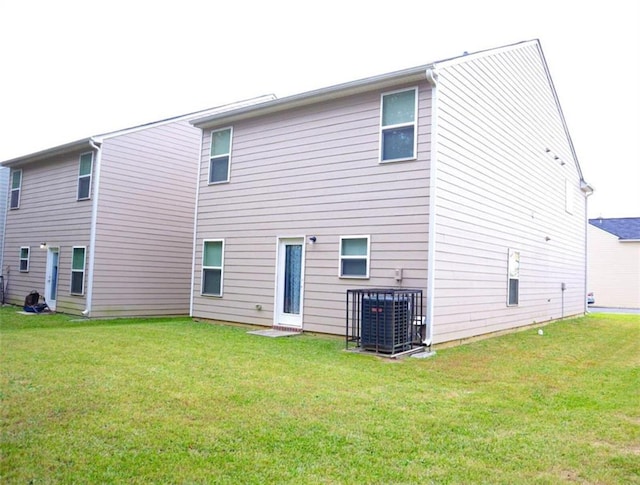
{"x":219,"y":156}
{"x":80,"y":176}
{"x":414,"y":123}
{"x":16,"y":189}
{"x":27,"y":259}
{"x":342,"y":257}
{"x":83,"y":270}
{"x":513,"y":273}
{"x":221,"y":267}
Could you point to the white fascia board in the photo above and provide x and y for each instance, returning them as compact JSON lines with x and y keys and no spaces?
{"x":84,"y":144}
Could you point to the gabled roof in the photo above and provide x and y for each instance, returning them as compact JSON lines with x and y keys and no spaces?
{"x":412,"y":74}
{"x":626,"y":228}
{"x":89,"y":142}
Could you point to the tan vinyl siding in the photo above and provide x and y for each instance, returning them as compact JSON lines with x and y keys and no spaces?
{"x":499,"y":189}
{"x":614,"y":269}
{"x":144,"y":233}
{"x":49,"y":212}
{"x":313,"y":171}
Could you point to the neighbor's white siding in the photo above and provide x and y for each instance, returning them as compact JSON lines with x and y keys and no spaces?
{"x":4,"y":204}
{"x":144,"y":233}
{"x":497,"y":189}
{"x":614,"y":269}
{"x":313,"y":171}
{"x":49,"y":212}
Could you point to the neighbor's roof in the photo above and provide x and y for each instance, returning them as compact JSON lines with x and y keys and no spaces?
{"x":626,"y":228}
{"x":88,"y":143}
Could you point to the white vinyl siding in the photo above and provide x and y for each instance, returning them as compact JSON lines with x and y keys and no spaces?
{"x":78,"y":259}
{"x":5,"y":172}
{"x":144,"y":240}
{"x":16,"y":188}
{"x":24,"y":259}
{"x":498,"y":188}
{"x":398,"y":133}
{"x":85,"y":171}
{"x":568,"y":196}
{"x":354,"y":257}
{"x":49,"y":212}
{"x":220,"y":156}
{"x":212,"y":267}
{"x":144,"y":231}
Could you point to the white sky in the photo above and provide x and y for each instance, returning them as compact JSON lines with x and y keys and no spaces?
{"x":71,"y":68}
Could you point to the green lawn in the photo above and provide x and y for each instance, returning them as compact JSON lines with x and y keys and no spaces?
{"x":177,"y":401}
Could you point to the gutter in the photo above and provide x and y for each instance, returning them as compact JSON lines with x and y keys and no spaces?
{"x":587,"y":190}
{"x":49,"y":152}
{"x":432,"y":77}
{"x":97,"y":146}
{"x":311,"y":97}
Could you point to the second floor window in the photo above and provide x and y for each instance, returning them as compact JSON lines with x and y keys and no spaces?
{"x":220,"y":160}
{"x":84,"y":175}
{"x":398,"y":126}
{"x":16,"y":186}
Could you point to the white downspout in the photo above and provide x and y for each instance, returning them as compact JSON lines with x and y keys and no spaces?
{"x":97,"y":146}
{"x":432,"y":77}
{"x":195,"y":226}
{"x":587,"y":190}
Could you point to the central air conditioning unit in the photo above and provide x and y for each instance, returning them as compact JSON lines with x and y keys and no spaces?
{"x":386,"y":322}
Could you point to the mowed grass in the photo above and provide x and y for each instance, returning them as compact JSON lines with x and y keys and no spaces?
{"x":179,"y":401}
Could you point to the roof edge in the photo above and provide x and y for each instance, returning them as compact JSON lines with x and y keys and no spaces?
{"x":84,"y":143}
{"x":310,"y":97}
{"x":97,"y":139}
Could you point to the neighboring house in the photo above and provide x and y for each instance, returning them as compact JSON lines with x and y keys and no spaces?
{"x":614,"y":261}
{"x":103,"y":226}
{"x":458,"y":178}
{"x":4,"y":187}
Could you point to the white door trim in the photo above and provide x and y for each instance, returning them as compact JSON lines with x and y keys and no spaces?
{"x":280,"y":318}
{"x":52,"y":277}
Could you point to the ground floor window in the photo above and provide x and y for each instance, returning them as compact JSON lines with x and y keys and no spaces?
{"x":354,"y":257}
{"x":24,"y":259}
{"x":212,"y":267}
{"x":77,"y":270}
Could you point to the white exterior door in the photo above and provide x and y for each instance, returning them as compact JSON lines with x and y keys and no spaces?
{"x":290,"y":282}
{"x":51,"y":277}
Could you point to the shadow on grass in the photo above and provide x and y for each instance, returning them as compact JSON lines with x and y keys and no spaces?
{"x":14,"y":318}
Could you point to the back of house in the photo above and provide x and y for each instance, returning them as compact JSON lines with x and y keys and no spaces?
{"x":299,"y":200}
{"x":457,"y":179}
{"x":103,"y":226}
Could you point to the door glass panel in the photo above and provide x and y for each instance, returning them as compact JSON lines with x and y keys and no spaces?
{"x":292,"y":275}
{"x":54,"y":276}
